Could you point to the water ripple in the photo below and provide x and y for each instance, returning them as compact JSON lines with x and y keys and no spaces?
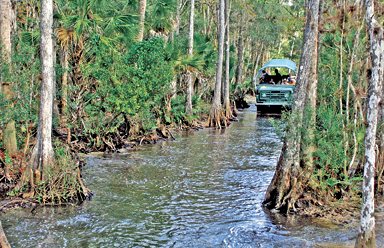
{"x":205,"y":189}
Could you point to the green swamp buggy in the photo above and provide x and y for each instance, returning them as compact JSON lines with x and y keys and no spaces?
{"x":274,"y":93}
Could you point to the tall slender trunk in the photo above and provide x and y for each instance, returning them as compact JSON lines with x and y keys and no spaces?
{"x":142,"y":7}
{"x":9,"y":139}
{"x":284,"y":189}
{"x":310,"y":103}
{"x":366,"y":237}
{"x":191,"y":26}
{"x":42,"y":154}
{"x":204,"y":20}
{"x":216,"y":114}
{"x":291,"y":53}
{"x":279,"y":51}
{"x":240,"y":53}
{"x":345,"y":135}
{"x":188,"y":74}
{"x":188,"y":77}
{"x":13,"y":19}
{"x":210,"y":16}
{"x":64,"y":84}
{"x":352,"y":60}
{"x":178,"y":4}
{"x":257,"y":60}
{"x":171,"y":94}
{"x":341,"y":59}
{"x":226,"y":103}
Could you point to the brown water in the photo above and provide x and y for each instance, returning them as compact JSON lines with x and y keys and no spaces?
{"x":204,"y":189}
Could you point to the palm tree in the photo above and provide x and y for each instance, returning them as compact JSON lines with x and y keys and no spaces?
{"x":159,"y":16}
{"x":78,"y":23}
{"x":197,"y":65}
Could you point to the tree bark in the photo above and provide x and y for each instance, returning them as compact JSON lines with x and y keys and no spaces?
{"x":188,"y":74}
{"x":191,"y":26}
{"x":13,"y":19}
{"x":178,"y":4}
{"x":291,"y":52}
{"x":42,"y":154}
{"x":9,"y":139}
{"x":64,"y":84}
{"x":188,"y":82}
{"x":284,"y":189}
{"x":3,"y":239}
{"x":226,"y":103}
{"x":366,"y":237}
{"x":310,"y":103}
{"x":240,"y":53}
{"x":210,"y":15}
{"x":216,"y":114}
{"x":357,"y":100}
{"x":142,"y":7}
{"x":257,"y":60}
{"x":5,"y":28}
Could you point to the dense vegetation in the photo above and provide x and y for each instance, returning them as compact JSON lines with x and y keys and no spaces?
{"x":112,"y":89}
{"x":333,"y":152}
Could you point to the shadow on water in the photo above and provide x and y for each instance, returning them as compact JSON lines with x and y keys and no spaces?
{"x":205,"y":189}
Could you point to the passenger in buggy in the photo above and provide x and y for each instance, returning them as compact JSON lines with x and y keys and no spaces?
{"x":277,"y":78}
{"x":264,"y":77}
{"x":291,"y":79}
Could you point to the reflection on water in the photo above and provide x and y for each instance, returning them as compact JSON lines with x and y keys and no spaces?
{"x":204,"y":189}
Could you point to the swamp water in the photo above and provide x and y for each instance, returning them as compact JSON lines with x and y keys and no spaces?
{"x":204,"y":189}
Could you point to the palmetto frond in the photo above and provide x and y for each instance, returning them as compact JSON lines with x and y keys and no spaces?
{"x":159,"y":15}
{"x":65,"y":36}
{"x":31,"y":37}
{"x":118,"y":24}
{"x":180,"y":60}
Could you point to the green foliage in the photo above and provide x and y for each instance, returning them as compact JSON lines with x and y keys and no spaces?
{"x":178,"y":109}
{"x":22,"y":73}
{"x":131,"y":84}
{"x":160,"y":13}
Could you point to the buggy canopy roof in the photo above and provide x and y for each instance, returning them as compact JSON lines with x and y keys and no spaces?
{"x":279,"y":63}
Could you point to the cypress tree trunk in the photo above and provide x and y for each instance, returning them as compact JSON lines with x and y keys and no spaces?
{"x":226,"y":103}
{"x":216,"y":114}
{"x":259,"y":54}
{"x":310,"y":103}
{"x":191,"y":26}
{"x":285,"y":187}
{"x":178,"y":3}
{"x":3,"y":239}
{"x":240,"y":53}
{"x":142,"y":7}
{"x":64,"y":84}
{"x":42,"y":154}
{"x":188,"y":74}
{"x":5,"y":28}
{"x":9,"y":141}
{"x":188,"y":83}
{"x":366,"y":237}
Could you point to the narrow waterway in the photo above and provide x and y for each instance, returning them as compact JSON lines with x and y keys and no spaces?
{"x":204,"y":189}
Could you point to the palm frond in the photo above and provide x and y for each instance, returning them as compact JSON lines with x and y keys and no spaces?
{"x":31,"y":37}
{"x":65,"y":36}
